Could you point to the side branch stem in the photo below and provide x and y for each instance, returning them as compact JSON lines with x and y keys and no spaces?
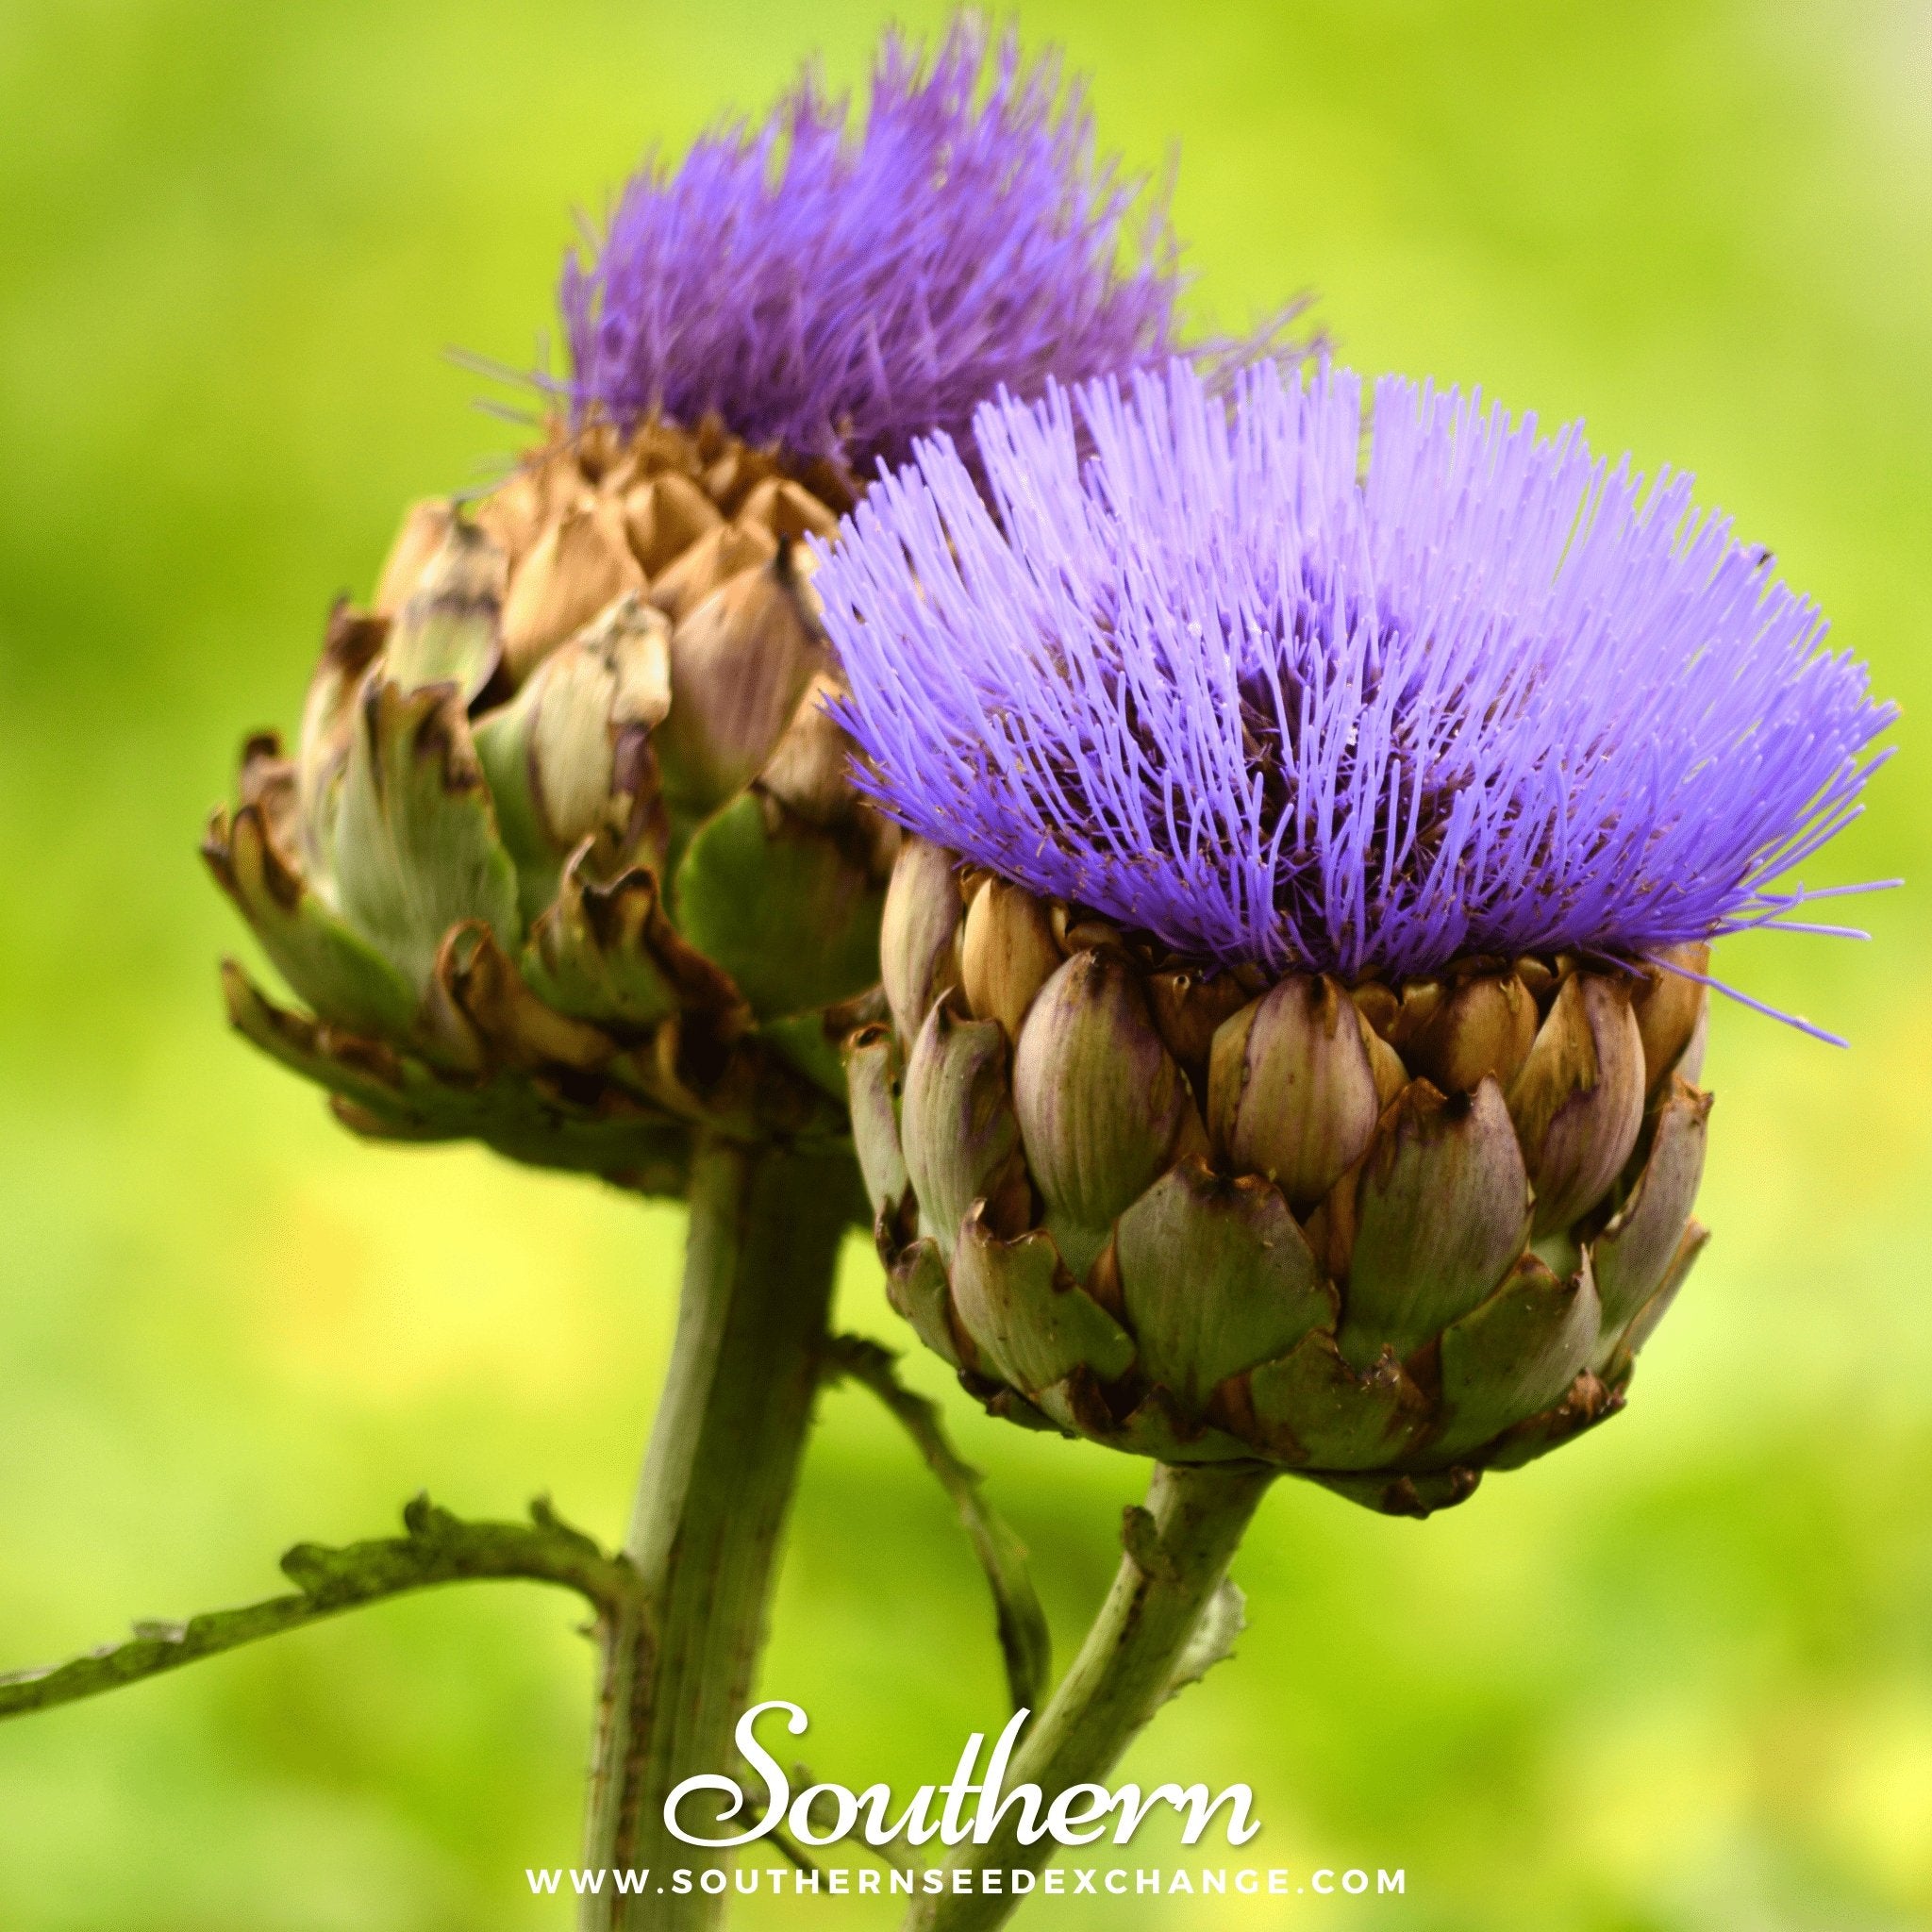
{"x":1025,"y":1645}
{"x":1136,"y":1654}
{"x":762,"y":1247}
{"x":436,"y":1548}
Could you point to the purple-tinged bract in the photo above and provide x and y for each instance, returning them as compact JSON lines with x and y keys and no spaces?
{"x":838,"y":294}
{"x":1274,"y":690}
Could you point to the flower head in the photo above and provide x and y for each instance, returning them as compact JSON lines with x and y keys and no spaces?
{"x":837,"y":294}
{"x":1232,"y":682}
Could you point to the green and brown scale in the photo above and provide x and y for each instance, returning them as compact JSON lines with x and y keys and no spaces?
{"x":1383,"y":1235}
{"x":565,"y":859}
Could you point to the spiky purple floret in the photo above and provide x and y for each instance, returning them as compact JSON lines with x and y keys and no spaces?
{"x":840,"y":295}
{"x":1225,"y":684}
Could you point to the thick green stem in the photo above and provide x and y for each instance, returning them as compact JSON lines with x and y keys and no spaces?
{"x":1177,"y":1550}
{"x":764,"y":1242}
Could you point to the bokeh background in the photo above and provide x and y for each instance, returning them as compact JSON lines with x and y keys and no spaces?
{"x":1680,"y":1677}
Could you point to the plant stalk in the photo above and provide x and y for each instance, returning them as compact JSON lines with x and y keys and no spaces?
{"x":1177,"y":1550}
{"x":437,"y":1548}
{"x":762,"y":1246}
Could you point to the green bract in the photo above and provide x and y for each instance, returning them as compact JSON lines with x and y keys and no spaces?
{"x":565,"y":859}
{"x":1383,"y":1235}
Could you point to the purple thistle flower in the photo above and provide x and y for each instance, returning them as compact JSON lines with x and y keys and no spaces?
{"x":1227,"y":683}
{"x":837,"y":295}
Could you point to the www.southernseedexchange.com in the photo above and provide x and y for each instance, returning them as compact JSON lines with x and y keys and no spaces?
{"x":1058,"y":1881}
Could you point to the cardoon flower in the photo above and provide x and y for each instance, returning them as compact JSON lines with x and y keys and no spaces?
{"x":1297,"y":976}
{"x":838,"y":294}
{"x":565,"y":859}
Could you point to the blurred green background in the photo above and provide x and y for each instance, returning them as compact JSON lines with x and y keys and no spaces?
{"x":1679,"y":1678}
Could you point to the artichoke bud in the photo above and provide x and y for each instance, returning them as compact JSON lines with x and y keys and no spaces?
{"x":567,"y":848}
{"x":1350,"y":1269}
